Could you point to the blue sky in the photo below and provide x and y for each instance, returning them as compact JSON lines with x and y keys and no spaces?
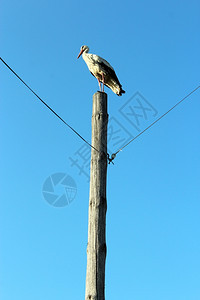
{"x":153,"y":217}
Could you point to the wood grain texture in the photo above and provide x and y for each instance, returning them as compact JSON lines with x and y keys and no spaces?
{"x":96,"y":248}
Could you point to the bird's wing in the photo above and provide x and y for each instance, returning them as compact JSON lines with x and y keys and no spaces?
{"x":110,"y":72}
{"x":106,"y":67}
{"x":101,"y":60}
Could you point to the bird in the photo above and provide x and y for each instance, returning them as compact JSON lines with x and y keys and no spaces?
{"x":102,"y":70}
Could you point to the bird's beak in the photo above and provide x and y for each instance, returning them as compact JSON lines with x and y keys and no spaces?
{"x":80,"y":53}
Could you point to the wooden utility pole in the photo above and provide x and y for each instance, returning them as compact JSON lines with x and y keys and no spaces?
{"x":96,"y":248}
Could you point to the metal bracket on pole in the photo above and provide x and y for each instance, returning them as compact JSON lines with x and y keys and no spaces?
{"x":110,"y":159}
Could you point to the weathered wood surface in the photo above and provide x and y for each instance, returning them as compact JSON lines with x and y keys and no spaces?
{"x":96,"y":248}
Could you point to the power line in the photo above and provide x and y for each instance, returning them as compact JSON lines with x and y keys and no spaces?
{"x":114,"y":154}
{"x":110,"y":159}
{"x":46,"y":104}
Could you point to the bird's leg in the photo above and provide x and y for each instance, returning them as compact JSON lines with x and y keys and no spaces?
{"x":99,"y":84}
{"x":103,"y":81}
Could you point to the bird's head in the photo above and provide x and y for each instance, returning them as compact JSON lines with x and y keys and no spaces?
{"x":83,"y":49}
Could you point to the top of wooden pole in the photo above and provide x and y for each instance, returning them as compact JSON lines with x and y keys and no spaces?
{"x":100,"y":94}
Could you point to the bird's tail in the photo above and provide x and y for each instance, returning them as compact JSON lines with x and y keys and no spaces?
{"x":121,"y":92}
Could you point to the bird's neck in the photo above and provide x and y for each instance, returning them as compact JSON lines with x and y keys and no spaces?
{"x":85,"y":56}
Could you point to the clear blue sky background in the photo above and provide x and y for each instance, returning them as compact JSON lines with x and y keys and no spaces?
{"x":153,"y":217}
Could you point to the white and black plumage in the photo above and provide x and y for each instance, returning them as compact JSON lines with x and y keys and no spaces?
{"x":102,"y":70}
